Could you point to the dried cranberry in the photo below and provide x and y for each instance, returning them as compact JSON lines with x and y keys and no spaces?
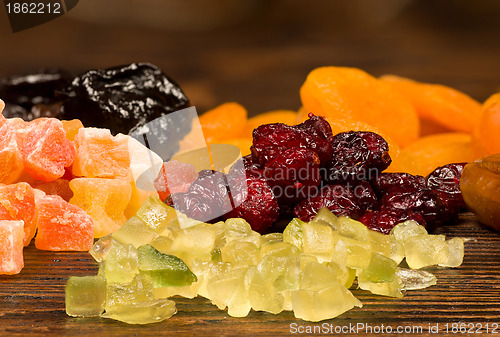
{"x":425,"y":202}
{"x":397,"y":182}
{"x":293,"y":174}
{"x":351,"y":158}
{"x":380,"y":158}
{"x":365,"y":195}
{"x":338,"y":198}
{"x":318,"y":126}
{"x":256,"y":204}
{"x":446,"y":179}
{"x":385,"y":219}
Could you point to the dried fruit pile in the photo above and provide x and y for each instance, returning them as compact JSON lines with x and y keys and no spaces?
{"x":308,"y":268}
{"x":297,"y":170}
{"x":426,"y":125}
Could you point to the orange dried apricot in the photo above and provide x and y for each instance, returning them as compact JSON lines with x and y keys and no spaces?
{"x":447,"y":106}
{"x":488,"y":129}
{"x":340,"y":92}
{"x":288,"y":117}
{"x":243,"y":143}
{"x":225,"y":121}
{"x":437,"y":150}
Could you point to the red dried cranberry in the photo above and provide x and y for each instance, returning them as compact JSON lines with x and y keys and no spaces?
{"x":380,"y":158}
{"x":318,"y":126}
{"x":425,"y":202}
{"x":351,"y":158}
{"x":365,"y":195}
{"x":256,"y":204}
{"x":385,"y":219}
{"x":338,"y":198}
{"x":397,"y":182}
{"x":446,"y":179}
{"x":293,"y":174}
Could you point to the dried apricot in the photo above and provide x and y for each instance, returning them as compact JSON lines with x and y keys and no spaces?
{"x":449,"y":107}
{"x":243,"y":143}
{"x":437,"y":150}
{"x":288,"y":117}
{"x":489,"y":127}
{"x":225,"y":121}
{"x":338,"y":92}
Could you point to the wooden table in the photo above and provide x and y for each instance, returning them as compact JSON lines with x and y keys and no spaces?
{"x":467,"y":297}
{"x":262,"y":62}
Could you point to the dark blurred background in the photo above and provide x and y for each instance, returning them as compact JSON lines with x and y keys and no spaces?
{"x":259,"y":52}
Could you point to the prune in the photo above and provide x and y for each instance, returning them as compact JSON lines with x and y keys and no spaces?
{"x":397,"y":182}
{"x":351,"y":158}
{"x":338,"y":198}
{"x":124,"y":98}
{"x":256,"y":204}
{"x":425,"y":202}
{"x":380,"y":158}
{"x":29,"y":90}
{"x":206,"y":199}
{"x":293,"y":174}
{"x":480,"y":186}
{"x":271,"y":139}
{"x":446,"y":179}
{"x":385,"y":219}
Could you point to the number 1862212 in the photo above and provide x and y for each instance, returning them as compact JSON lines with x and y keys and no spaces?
{"x":34,"y":8}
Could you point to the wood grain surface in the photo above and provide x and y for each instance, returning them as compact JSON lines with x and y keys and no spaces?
{"x":467,"y":297}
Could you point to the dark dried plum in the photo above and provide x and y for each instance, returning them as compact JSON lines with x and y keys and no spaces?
{"x":124,"y":98}
{"x":351,"y":158}
{"x":293,"y":174}
{"x":338,"y":198}
{"x":397,"y":182}
{"x":380,"y":158}
{"x":29,"y":90}
{"x":385,"y":219}
{"x":256,"y":204}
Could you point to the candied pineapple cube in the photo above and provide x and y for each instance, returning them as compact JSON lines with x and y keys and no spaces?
{"x":424,"y":250}
{"x":121,"y":263}
{"x":245,"y":253}
{"x":136,"y":232}
{"x":293,"y":233}
{"x":152,"y":311}
{"x":85,"y":296}
{"x":319,"y":240}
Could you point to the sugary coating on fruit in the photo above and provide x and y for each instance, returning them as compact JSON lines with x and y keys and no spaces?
{"x":11,"y":159}
{"x":17,"y":202}
{"x":101,"y":155}
{"x":62,"y":226}
{"x":104,"y":200}
{"x":11,"y":246}
{"x":340,"y":92}
{"x":46,"y":150}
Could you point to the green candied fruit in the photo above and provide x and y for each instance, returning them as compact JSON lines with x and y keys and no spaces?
{"x":380,"y":269}
{"x":121,"y":263}
{"x":156,"y":214}
{"x":151,"y":311}
{"x":165,"y":270}
{"x":85,"y":296}
{"x":134,"y":231}
{"x":293,"y":233}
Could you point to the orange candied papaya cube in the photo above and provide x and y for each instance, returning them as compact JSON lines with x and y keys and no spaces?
{"x":62,"y":226}
{"x":105,"y":200}
{"x":101,"y":155}
{"x":58,"y":187}
{"x":46,"y":150}
{"x":11,"y":246}
{"x":444,"y":105}
{"x":11,"y":158}
{"x":71,"y":128}
{"x":225,"y":121}
{"x":17,"y":202}
{"x":351,"y":93}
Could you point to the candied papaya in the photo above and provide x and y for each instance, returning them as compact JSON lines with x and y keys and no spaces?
{"x":447,"y":106}
{"x":17,"y":202}
{"x":105,"y":200}
{"x":225,"y":121}
{"x":71,"y":128}
{"x":101,"y":155}
{"x":480,"y":186}
{"x":340,"y":92}
{"x":489,"y":125}
{"x":62,"y":226}
{"x":11,"y":246}
{"x":58,"y":187}
{"x":11,"y":158}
